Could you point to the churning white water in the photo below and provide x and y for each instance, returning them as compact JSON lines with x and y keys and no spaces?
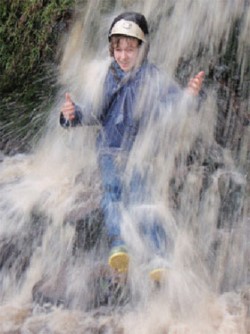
{"x":199,"y":164}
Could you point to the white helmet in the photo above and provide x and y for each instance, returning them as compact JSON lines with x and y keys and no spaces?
{"x":130,"y":24}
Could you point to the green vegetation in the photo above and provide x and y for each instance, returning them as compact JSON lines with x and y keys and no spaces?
{"x":29,"y":33}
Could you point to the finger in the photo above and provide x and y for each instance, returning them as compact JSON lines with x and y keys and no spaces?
{"x":67,"y":109}
{"x":201,"y":75}
{"x":68,"y":98}
{"x":197,"y":81}
{"x":194,"y":83}
{"x":68,"y":115}
{"x":193,"y":88}
{"x":68,"y":105}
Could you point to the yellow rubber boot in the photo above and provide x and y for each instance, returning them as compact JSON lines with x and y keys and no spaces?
{"x":158,"y":275}
{"x":119,"y":260}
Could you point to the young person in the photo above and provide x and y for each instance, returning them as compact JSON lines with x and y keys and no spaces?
{"x":132,"y":93}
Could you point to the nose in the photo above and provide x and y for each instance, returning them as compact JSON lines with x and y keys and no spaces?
{"x":123,"y":55}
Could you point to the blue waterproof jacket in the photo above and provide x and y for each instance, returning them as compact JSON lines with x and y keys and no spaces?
{"x":128,"y":100}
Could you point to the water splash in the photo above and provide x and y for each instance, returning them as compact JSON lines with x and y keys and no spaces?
{"x":200,"y":187}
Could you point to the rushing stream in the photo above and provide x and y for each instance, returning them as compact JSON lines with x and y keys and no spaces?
{"x":199,"y":163}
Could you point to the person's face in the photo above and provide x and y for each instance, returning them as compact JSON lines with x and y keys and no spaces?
{"x":126,"y":53}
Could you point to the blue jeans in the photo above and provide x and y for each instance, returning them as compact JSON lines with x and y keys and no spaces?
{"x":115,"y":194}
{"x":111,"y":199}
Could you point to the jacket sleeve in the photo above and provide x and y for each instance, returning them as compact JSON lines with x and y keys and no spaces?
{"x":175,"y":94}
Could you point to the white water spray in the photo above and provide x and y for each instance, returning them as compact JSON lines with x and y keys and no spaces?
{"x":200,"y":187}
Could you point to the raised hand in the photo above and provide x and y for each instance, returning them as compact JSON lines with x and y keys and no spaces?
{"x":68,"y":108}
{"x":195,"y":83}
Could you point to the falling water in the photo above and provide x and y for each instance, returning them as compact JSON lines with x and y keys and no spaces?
{"x":199,"y":163}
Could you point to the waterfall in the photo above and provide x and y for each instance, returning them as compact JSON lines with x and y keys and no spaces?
{"x":53,"y":248}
